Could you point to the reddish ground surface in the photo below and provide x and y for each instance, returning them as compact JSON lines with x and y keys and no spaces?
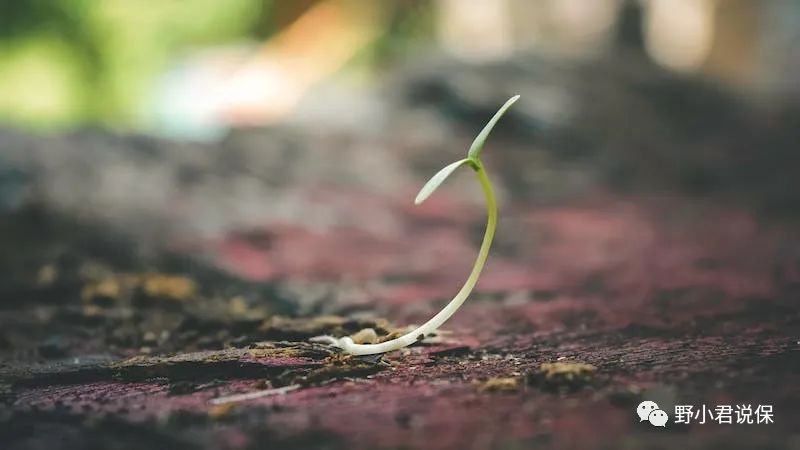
{"x":669,"y":300}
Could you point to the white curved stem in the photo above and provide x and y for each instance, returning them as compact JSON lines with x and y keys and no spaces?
{"x":436,"y":321}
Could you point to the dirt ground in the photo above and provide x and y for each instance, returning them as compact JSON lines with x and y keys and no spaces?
{"x":597,"y":296}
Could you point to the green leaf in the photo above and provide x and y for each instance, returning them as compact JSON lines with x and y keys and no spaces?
{"x":477,"y":145}
{"x":437,"y":180}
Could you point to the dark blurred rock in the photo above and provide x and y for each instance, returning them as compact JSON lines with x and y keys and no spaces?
{"x":618,"y":121}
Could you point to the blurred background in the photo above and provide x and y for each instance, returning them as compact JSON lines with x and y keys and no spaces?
{"x":696,"y":94}
{"x":192,"y":69}
{"x":283,"y":140}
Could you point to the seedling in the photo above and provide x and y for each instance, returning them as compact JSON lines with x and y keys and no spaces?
{"x":472,"y":160}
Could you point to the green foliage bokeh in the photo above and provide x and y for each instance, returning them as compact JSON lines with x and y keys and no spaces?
{"x":68,"y":61}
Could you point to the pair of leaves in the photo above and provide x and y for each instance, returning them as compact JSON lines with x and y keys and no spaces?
{"x":473,"y":155}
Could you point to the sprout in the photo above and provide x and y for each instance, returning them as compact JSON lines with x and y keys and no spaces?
{"x":473,"y":160}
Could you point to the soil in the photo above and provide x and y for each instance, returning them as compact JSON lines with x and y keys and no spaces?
{"x":115,"y":335}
